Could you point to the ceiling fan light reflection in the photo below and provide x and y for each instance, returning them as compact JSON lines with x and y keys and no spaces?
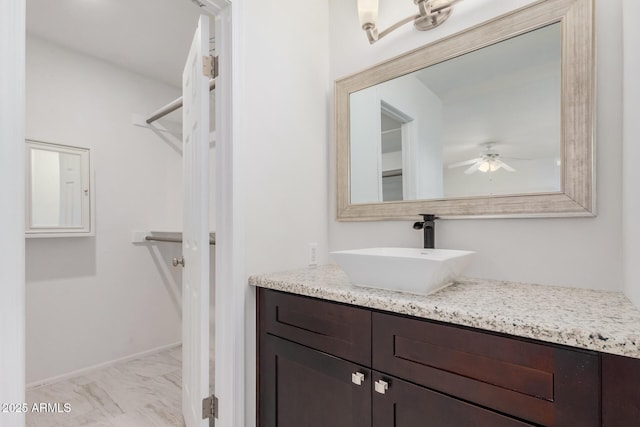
{"x":489,"y":166}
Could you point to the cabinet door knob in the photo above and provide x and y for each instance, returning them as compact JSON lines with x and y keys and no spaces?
{"x":177,"y":261}
{"x":381,"y":386}
{"x":357,"y":378}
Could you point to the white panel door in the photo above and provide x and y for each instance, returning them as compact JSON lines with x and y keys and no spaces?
{"x":195,"y":238}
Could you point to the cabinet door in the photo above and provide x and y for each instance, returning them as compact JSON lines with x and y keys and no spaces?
{"x":620,"y":391}
{"x":403,"y":404}
{"x":299,"y":386}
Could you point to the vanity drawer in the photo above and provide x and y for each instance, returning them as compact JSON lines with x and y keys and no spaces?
{"x":337,"y":329}
{"x":539,"y":383}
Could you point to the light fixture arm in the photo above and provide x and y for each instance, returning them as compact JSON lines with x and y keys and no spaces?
{"x":424,"y":7}
{"x":430,"y":14}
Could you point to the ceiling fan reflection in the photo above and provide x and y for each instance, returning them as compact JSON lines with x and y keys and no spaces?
{"x":489,"y":161}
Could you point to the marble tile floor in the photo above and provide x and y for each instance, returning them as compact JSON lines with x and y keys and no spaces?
{"x":138,"y":393}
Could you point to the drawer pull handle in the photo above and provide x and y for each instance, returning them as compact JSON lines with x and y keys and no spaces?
{"x":381,"y":386}
{"x":357,"y":378}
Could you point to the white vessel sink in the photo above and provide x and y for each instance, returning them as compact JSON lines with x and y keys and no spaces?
{"x":419,"y":271}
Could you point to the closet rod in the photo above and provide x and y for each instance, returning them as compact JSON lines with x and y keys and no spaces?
{"x":170,"y":239}
{"x":173,"y":106}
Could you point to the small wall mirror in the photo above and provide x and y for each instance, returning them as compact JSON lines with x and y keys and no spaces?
{"x":58,"y":191}
{"x":493,"y":121}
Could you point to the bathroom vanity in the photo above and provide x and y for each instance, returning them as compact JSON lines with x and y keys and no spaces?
{"x":477,"y":353}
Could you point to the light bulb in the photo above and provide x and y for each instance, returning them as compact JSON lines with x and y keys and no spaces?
{"x":368,"y":12}
{"x":484,"y":167}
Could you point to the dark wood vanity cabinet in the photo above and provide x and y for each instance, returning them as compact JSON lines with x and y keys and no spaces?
{"x":329,"y":364}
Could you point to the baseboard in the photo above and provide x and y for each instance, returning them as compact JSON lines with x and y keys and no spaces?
{"x":72,"y":374}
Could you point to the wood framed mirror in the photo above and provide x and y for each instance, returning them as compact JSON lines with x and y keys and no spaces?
{"x":495,"y":121}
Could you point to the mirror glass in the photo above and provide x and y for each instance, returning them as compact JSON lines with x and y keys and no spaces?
{"x":58,"y":189}
{"x":485,"y":123}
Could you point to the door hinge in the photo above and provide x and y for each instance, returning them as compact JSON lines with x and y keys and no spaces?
{"x":210,"y":407}
{"x":210,"y":66}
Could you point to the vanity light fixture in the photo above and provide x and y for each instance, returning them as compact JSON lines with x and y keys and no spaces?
{"x":431,"y":13}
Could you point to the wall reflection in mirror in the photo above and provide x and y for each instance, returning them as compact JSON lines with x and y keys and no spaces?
{"x":58,"y":189}
{"x":484,"y":123}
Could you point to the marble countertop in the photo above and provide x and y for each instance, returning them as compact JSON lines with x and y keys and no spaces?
{"x":595,"y":320}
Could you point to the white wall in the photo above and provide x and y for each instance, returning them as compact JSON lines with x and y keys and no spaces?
{"x":580,"y":252}
{"x":631,"y":151}
{"x":365,"y":136}
{"x":284,"y":137}
{"x":12,"y":365}
{"x":281,"y":93}
{"x":45,"y":187}
{"x":422,"y":157}
{"x":93,"y":300}
{"x":509,"y":116}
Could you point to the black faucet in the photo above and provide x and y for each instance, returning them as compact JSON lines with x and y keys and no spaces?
{"x":429,"y":226}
